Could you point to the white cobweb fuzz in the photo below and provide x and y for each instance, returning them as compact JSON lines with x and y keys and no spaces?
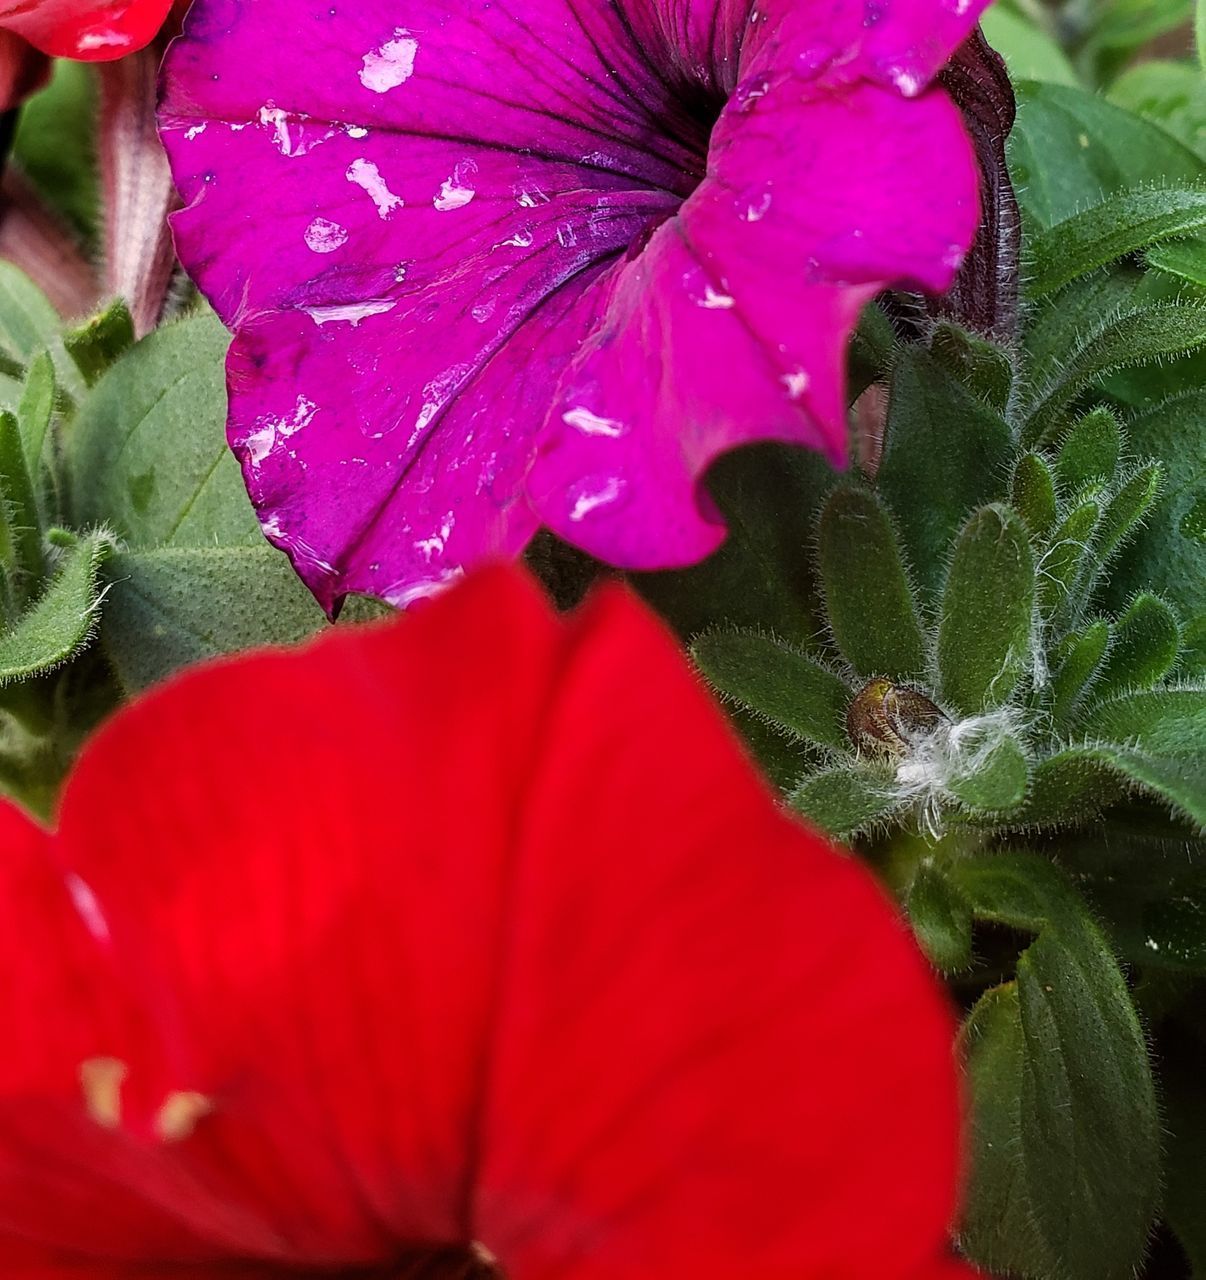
{"x":938,"y":758}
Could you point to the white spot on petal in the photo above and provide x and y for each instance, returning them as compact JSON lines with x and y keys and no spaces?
{"x":591,"y":424}
{"x":593,"y":499}
{"x":390,"y":65}
{"x":351,"y":312}
{"x":796,"y":383}
{"x":365,"y":174}
{"x":325,"y":236}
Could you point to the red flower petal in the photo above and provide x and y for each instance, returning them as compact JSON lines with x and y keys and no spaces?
{"x":90,"y":30}
{"x":476,"y":926}
{"x":22,"y":70}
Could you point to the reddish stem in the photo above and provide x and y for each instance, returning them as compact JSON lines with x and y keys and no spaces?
{"x":138,"y":191}
{"x":34,"y":239}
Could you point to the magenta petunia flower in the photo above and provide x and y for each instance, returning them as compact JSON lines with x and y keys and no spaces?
{"x":493,"y":264}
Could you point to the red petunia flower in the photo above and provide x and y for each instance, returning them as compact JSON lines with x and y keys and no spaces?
{"x":460,"y":943}
{"x":91,"y":30}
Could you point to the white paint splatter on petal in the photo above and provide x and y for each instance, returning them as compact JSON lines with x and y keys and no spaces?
{"x":593,"y":499}
{"x":365,"y":174}
{"x":796,"y":383}
{"x":390,"y":65}
{"x":271,"y":431}
{"x":196,"y":131}
{"x":350,"y":313}
{"x":713,"y":300}
{"x":325,"y":236}
{"x":591,"y":424}
{"x":456,"y":192}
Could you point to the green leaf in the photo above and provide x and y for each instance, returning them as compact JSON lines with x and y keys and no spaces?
{"x":174,"y":606}
{"x":97,"y":343}
{"x":21,"y":510}
{"x":1168,"y":554}
{"x":1089,"y":454}
{"x":1057,"y":324}
{"x":1033,"y":494}
{"x":1070,"y":786}
{"x":1119,"y":225}
{"x":1068,"y":559}
{"x":1066,"y":1137}
{"x":148,"y":450}
{"x":1070,"y":149}
{"x":846,"y":799}
{"x":867,"y":593}
{"x":1079,"y":782}
{"x":1136,"y":337}
{"x":982,"y":367}
{"x":1185,"y":261}
{"x":996,"y":783}
{"x":61,"y":623}
{"x":29,"y":324}
{"x":946,"y":452}
{"x":763,"y":574}
{"x":987,"y":610}
{"x":941,"y":918}
{"x":35,"y":410}
{"x":1171,"y":94}
{"x":1127,"y":508}
{"x":1147,"y":640}
{"x":778,"y":682}
{"x":1079,"y":669}
{"x":1029,"y":53}
{"x":1163,"y":722}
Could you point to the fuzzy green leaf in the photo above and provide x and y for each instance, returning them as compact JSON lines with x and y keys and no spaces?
{"x":941,"y":918}
{"x":1127,"y":508}
{"x":61,"y":623}
{"x":1066,"y":1135}
{"x":1117,"y":226}
{"x":1079,"y":782}
{"x":97,"y":343}
{"x":21,"y":509}
{"x":148,"y":450}
{"x":981,"y":366}
{"x":29,"y":324}
{"x":1167,"y":554}
{"x":987,"y":609}
{"x":1147,"y":640}
{"x":997,"y":785}
{"x":867,"y":593}
{"x":1139,"y":336}
{"x":946,"y":452}
{"x":778,"y":682}
{"x":1033,"y":494}
{"x":35,"y":411}
{"x":763,"y":575}
{"x":172,"y":607}
{"x":1169,"y":722}
{"x":1070,"y":149}
{"x":1184,"y":261}
{"x":1085,"y":654}
{"x":1070,"y":558}
{"x":1089,"y":454}
{"x":847,"y":799}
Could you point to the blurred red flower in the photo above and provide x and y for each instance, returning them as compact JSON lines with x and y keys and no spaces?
{"x":90,"y":30}
{"x":463,"y":945}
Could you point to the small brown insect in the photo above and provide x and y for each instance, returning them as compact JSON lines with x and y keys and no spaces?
{"x":887,"y":719}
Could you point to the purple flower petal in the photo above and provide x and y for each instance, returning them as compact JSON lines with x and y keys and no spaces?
{"x":492,"y":265}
